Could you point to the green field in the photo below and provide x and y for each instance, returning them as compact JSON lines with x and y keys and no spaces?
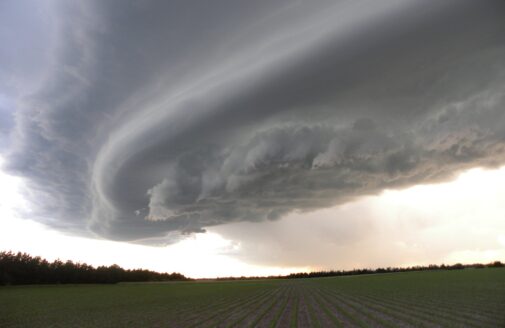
{"x":459,"y":298}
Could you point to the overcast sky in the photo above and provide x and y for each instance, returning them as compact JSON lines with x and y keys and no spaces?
{"x":273,"y":126}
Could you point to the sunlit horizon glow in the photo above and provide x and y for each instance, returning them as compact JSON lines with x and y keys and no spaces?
{"x":210,"y":255}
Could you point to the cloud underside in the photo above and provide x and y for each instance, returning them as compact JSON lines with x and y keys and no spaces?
{"x":157,"y":122}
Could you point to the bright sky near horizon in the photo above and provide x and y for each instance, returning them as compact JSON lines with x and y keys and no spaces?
{"x":416,"y":226}
{"x":253,"y":137}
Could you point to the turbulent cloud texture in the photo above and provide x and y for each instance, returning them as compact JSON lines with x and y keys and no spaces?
{"x":156,"y":118}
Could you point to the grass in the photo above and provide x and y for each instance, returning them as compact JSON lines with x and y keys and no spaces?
{"x":314,"y":318}
{"x":467,"y":298}
{"x":280,"y":311}
{"x":115,"y":305}
{"x":294,"y":313}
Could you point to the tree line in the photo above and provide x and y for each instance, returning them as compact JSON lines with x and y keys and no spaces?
{"x":22,"y":268}
{"x":431,"y":267}
{"x":354,"y":272}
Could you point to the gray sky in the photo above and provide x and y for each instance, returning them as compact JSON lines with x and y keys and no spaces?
{"x":145,"y":121}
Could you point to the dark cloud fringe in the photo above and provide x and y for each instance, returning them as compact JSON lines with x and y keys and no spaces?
{"x":164,"y":118}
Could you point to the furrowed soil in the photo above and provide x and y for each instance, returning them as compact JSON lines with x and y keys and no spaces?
{"x":457,"y":298}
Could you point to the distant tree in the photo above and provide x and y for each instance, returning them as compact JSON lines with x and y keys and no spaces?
{"x":21,"y":268}
{"x":431,"y":267}
{"x":496,"y":264}
{"x":457,"y":266}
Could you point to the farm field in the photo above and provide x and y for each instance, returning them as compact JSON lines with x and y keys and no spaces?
{"x":459,"y":298}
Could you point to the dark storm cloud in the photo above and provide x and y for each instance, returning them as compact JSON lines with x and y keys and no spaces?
{"x":166,"y":117}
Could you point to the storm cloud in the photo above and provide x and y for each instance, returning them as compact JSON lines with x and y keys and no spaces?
{"x":160,"y":118}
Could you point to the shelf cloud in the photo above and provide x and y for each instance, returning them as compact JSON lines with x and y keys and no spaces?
{"x":156,"y":119}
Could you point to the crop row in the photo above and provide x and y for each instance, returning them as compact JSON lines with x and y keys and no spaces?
{"x":468,"y":298}
{"x":300,"y":304}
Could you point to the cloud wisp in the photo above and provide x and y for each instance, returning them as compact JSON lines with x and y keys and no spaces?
{"x":161,"y":118}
